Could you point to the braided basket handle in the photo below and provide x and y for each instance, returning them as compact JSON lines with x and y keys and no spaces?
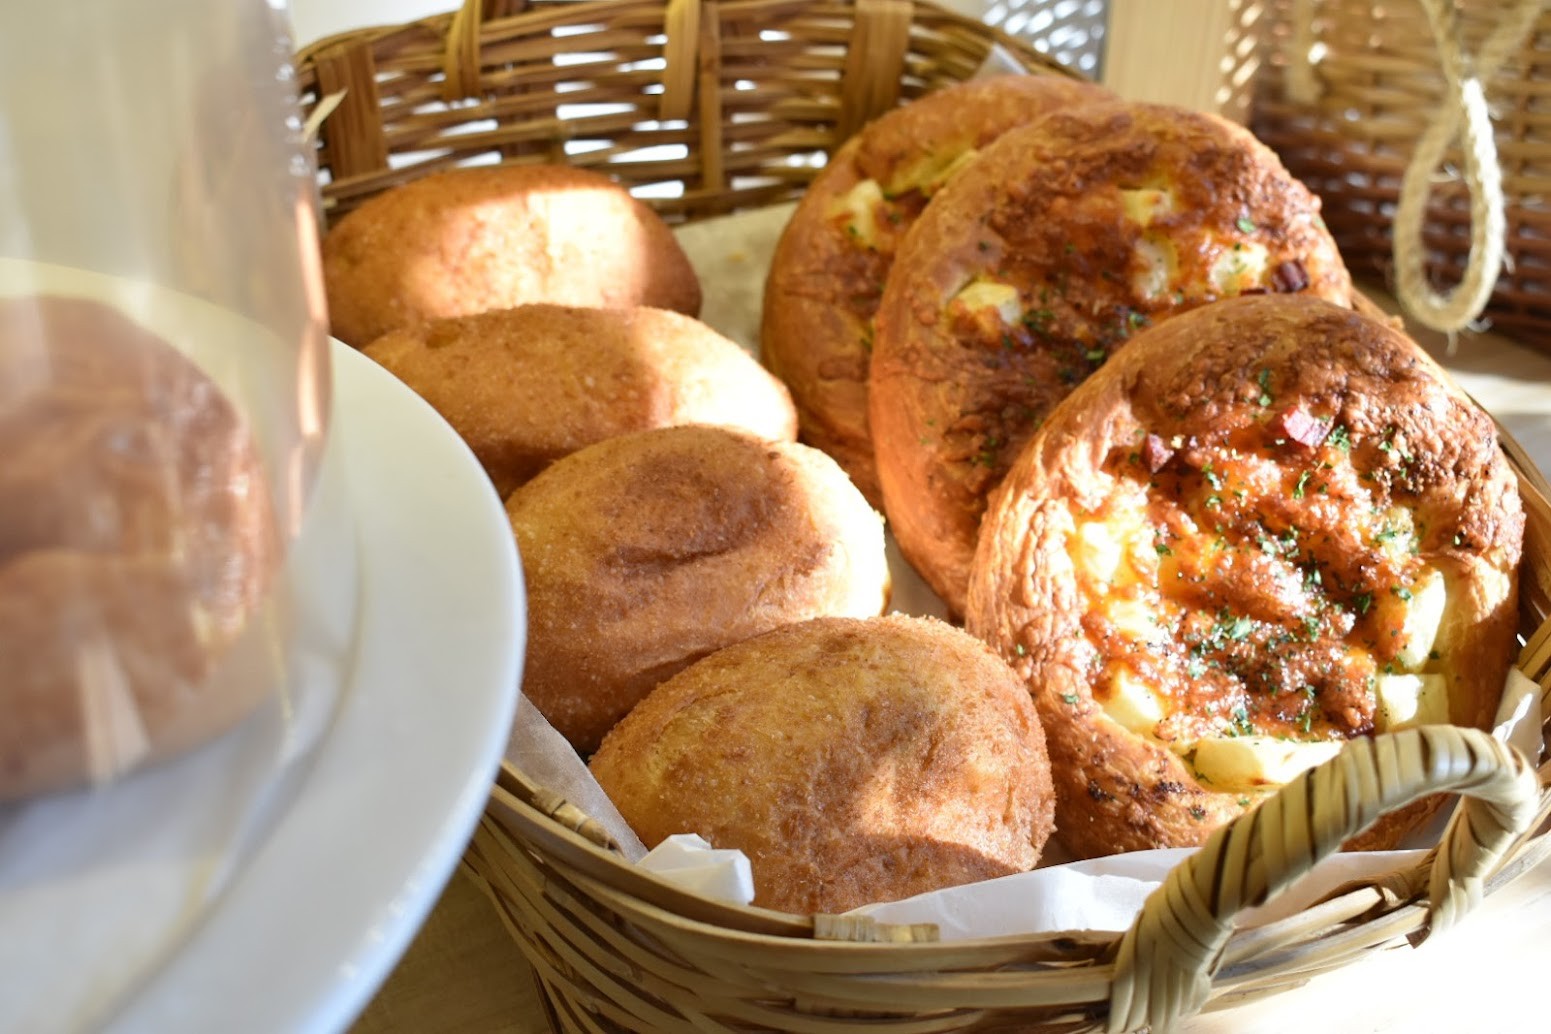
{"x":1166,"y":961}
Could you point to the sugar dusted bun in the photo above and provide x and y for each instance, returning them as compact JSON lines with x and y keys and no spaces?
{"x":474,"y":239}
{"x":1267,"y":526}
{"x":528,"y":385}
{"x":1034,"y":265}
{"x":136,"y":541}
{"x":644,"y":553}
{"x":852,"y":761}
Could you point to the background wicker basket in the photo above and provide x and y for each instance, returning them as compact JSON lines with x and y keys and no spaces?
{"x":713,"y":107}
{"x":1379,"y":84}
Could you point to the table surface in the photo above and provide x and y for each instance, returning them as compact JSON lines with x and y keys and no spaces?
{"x":464,"y":974}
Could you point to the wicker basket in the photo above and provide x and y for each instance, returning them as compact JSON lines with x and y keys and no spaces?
{"x":1378,"y":85}
{"x":712,"y":107}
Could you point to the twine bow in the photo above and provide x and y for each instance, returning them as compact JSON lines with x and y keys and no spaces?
{"x":1463,"y":115}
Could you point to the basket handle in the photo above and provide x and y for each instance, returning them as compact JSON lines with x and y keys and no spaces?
{"x":1165,"y":962}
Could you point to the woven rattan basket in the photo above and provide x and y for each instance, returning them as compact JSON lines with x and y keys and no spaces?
{"x":714,"y":107}
{"x":1351,"y":127}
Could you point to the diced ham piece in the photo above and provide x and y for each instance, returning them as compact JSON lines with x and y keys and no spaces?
{"x":1156,"y":453}
{"x":1302,"y":428}
{"x":1289,"y":277}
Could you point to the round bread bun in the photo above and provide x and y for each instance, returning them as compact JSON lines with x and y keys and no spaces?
{"x":526,"y":386}
{"x":644,"y":553}
{"x":136,"y":540}
{"x":834,"y":255}
{"x":851,"y":761}
{"x":1034,"y":265}
{"x":1265,"y":527}
{"x":473,"y":239}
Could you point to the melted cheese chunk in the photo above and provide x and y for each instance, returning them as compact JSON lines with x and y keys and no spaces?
{"x":1144,"y":205}
{"x":1424,"y":615}
{"x":930,"y":173}
{"x":1239,"y":267}
{"x":1406,"y":700}
{"x":1250,"y":762}
{"x":1133,"y":619}
{"x":989,"y":294}
{"x":1133,"y":704}
{"x":1156,"y":267}
{"x":1099,"y":550}
{"x":859,"y":206}
{"x":1108,"y":551}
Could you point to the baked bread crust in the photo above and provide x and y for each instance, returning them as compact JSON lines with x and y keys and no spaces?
{"x":851,"y":761}
{"x":136,"y":541}
{"x":473,"y":239}
{"x":526,"y":386}
{"x":829,"y":267}
{"x":1034,"y":265}
{"x":644,"y":553}
{"x":1281,"y":479}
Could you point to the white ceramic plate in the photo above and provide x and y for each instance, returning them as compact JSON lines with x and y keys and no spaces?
{"x":328,"y":903}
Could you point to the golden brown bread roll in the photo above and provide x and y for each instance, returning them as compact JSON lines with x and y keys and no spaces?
{"x":528,"y":385}
{"x":1265,"y":527}
{"x":1033,"y":266}
{"x":829,"y":267}
{"x":136,"y":541}
{"x":852,"y":761}
{"x":473,"y":239}
{"x":644,"y":553}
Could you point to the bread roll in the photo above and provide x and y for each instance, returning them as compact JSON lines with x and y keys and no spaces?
{"x":830,"y":265}
{"x":1265,"y":527}
{"x":852,"y":761}
{"x":1032,"y":268}
{"x":644,"y":553}
{"x":136,"y":541}
{"x":526,"y":386}
{"x":473,"y":239}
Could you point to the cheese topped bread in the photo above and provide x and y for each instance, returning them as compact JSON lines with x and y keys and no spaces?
{"x":1268,"y":526}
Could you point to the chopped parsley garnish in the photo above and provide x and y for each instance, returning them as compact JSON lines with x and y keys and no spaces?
{"x":1340,"y":437}
{"x":1265,"y":387}
{"x":1303,"y":479}
{"x":1238,"y":628}
{"x":1246,"y":225}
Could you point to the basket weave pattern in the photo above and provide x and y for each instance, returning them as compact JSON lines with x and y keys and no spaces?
{"x":1380,"y":87}
{"x":711,"y":107}
{"x":714,"y":107}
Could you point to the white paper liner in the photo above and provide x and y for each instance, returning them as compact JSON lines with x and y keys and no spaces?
{"x":731,"y":255}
